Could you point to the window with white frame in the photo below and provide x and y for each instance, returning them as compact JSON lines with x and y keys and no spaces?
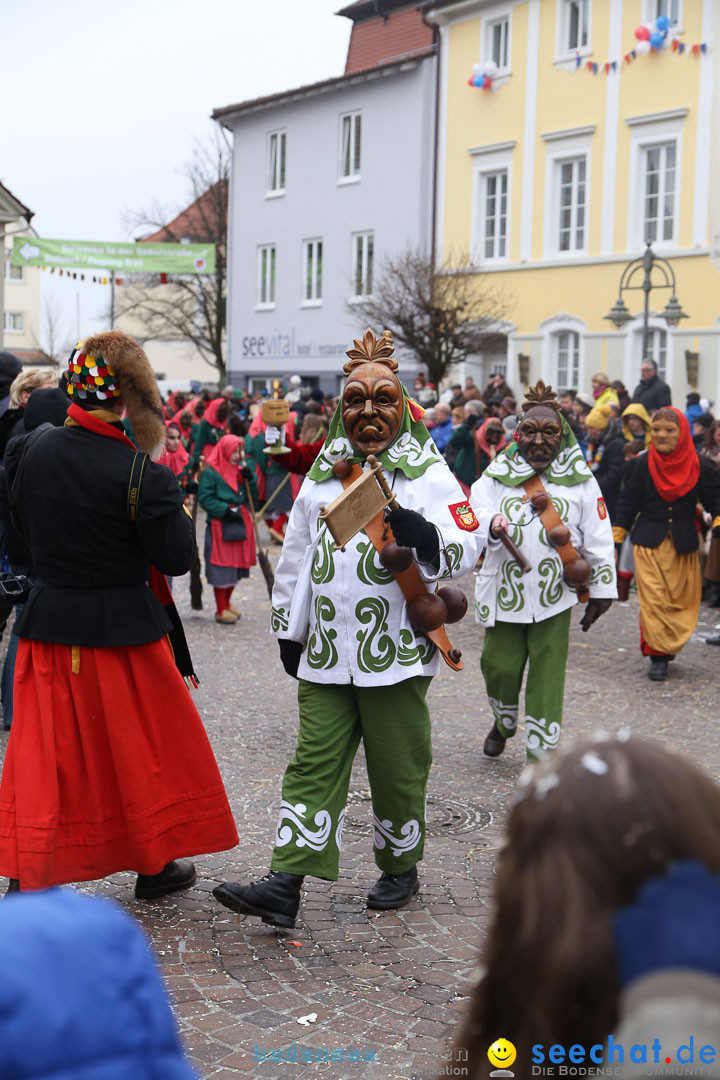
{"x":14,"y":322}
{"x":497,"y":42}
{"x":659,"y":172}
{"x":276,"y":162}
{"x":266,"y":276}
{"x":574,"y":25}
{"x":350,"y":145}
{"x":494,"y":186}
{"x":567,"y":360}
{"x":570,"y":202}
{"x":499,"y":367}
{"x":13,"y":273}
{"x":656,"y":349}
{"x":672,"y":9}
{"x":363,"y":252}
{"x":312,"y":271}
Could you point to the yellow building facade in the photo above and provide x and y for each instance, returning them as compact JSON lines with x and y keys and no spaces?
{"x":551,"y":181}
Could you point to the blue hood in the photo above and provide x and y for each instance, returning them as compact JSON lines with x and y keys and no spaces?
{"x":80,"y":995}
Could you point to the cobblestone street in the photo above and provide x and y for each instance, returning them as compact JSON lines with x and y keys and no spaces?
{"x":390,"y":985}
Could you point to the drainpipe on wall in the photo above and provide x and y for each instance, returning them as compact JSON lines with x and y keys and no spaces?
{"x":436,"y":128}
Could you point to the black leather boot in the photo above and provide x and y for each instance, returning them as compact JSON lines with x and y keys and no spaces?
{"x":393,"y":890}
{"x":713,"y":599}
{"x":275,"y":898}
{"x":494,"y":743}
{"x":13,"y":886}
{"x":658,"y":668}
{"x":714,"y":640}
{"x":177,"y":875}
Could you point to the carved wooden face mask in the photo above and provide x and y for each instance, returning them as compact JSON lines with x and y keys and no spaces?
{"x":372,"y":407}
{"x":539,"y":436}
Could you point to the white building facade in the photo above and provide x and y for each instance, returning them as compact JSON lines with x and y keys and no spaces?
{"x":327,"y":182}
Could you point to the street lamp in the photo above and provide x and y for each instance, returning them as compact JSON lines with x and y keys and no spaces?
{"x":619,"y":315}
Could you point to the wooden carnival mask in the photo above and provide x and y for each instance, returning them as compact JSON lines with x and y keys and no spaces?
{"x":665,"y":431}
{"x":372,"y":401}
{"x":539,"y":435}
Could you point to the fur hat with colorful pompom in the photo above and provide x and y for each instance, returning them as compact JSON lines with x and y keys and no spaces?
{"x":112,"y":365}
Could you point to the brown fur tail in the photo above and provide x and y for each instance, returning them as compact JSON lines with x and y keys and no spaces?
{"x":138,"y":388}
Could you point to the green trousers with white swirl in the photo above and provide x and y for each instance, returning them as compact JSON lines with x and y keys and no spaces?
{"x":393,"y":723}
{"x":506,"y":651}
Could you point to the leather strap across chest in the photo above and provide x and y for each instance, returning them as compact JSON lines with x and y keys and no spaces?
{"x":379,"y":533}
{"x":550,"y":518}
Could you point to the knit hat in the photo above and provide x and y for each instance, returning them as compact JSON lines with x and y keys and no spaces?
{"x":585,"y":399}
{"x":10,"y":366}
{"x":598,"y":418}
{"x":111,"y":365}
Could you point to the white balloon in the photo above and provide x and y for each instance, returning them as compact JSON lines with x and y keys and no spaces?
{"x":643,"y":48}
{"x":478,"y":69}
{"x":490,"y":68}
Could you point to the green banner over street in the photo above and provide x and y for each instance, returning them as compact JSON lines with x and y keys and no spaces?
{"x":130,"y":258}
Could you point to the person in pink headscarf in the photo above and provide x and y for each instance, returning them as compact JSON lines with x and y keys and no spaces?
{"x":229,"y":537}
{"x":175,"y":456}
{"x":211,"y":429}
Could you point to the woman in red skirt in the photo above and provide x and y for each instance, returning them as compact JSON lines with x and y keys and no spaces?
{"x":108,"y":766}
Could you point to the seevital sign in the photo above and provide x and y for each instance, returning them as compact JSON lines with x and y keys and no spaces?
{"x":130,"y":258}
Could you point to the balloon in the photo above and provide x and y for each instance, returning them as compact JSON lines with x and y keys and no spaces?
{"x":490,"y":69}
{"x":663,"y":23}
{"x":656,"y":39}
{"x":478,"y":69}
{"x":488,"y":83}
{"x":642,"y":33}
{"x":478,"y":80}
{"x":471,"y":81}
{"x":643,"y":48}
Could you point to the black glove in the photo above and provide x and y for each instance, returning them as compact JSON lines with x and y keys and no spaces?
{"x":410,"y":529}
{"x":290,"y":653}
{"x":232,"y":513}
{"x":247,"y":474}
{"x":595,"y":608}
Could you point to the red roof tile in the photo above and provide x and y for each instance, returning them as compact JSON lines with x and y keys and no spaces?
{"x":386,"y":38}
{"x":198,"y":222}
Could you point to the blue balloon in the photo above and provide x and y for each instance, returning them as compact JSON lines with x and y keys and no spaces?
{"x":663,"y":23}
{"x":479,"y":80}
{"x":656,"y":39}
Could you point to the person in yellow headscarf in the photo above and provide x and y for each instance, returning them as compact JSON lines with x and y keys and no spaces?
{"x":636,"y":424}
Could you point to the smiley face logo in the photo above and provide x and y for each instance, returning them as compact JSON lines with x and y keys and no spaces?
{"x":502,"y":1053}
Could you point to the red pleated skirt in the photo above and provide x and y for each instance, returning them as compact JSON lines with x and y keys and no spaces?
{"x":108,"y":769}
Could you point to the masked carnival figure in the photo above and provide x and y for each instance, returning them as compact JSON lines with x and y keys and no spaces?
{"x":657,"y":507}
{"x":349,"y":624}
{"x":559,"y":524}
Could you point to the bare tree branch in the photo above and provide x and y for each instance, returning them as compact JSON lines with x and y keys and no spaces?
{"x":190,"y":307}
{"x":55,"y":339}
{"x":442,"y":316}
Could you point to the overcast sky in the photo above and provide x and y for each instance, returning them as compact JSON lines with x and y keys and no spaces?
{"x":103,"y":100}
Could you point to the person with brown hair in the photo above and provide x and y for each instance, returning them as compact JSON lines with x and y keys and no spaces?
{"x":589,"y":827}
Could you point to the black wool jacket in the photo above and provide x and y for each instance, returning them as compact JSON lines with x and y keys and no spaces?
{"x":655,"y":517}
{"x":91,"y":561}
{"x":652,"y":393}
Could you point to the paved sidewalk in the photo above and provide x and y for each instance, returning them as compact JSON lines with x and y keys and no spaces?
{"x":385,"y":986}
